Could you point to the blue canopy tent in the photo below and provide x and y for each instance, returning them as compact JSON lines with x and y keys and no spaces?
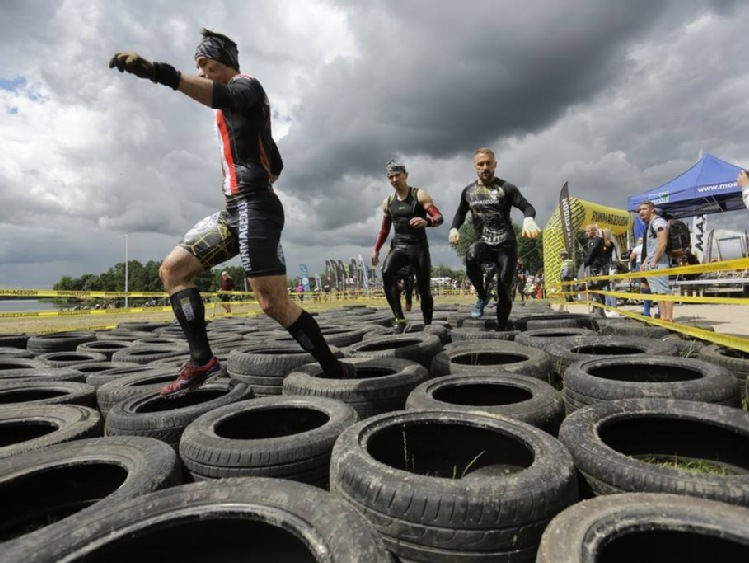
{"x":707,"y":187}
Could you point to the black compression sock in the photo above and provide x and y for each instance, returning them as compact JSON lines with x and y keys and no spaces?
{"x":306,"y":331}
{"x":190,"y":312}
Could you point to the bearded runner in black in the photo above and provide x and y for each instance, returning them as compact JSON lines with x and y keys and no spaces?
{"x":409,"y":210}
{"x":490,"y":201}
{"x":253,"y":219}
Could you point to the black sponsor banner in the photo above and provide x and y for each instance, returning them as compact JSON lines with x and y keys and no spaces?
{"x":565,"y":216}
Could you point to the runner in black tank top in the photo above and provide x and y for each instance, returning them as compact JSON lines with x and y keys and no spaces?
{"x":409,"y":210}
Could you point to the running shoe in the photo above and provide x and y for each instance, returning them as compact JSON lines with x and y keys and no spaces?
{"x":478,"y":308}
{"x":348,"y":370}
{"x":191,"y":377}
{"x":399,"y":326}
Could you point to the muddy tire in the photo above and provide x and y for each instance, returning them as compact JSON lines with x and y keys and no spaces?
{"x":47,"y":393}
{"x":469,"y":488}
{"x":44,"y":489}
{"x":515,"y":396}
{"x":165,"y":419}
{"x":419,"y":347}
{"x":648,"y":527}
{"x":626,"y":446}
{"x":490,"y":358}
{"x":283,"y":437}
{"x":381,"y":385}
{"x":736,"y":361}
{"x":29,"y":427}
{"x":252,"y":519}
{"x":609,"y":379}
{"x":59,"y":341}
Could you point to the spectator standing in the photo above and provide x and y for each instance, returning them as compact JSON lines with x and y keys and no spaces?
{"x":656,"y":257}
{"x":227,"y":284}
{"x":636,"y":257}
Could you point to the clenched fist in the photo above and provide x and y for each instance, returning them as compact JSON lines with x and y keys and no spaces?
{"x":133,"y":63}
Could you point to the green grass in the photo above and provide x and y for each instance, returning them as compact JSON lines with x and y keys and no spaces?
{"x":693,"y":466}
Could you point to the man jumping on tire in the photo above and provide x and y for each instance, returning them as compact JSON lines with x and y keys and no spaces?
{"x":252,"y":221}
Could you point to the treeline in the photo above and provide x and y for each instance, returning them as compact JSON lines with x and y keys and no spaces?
{"x":142,"y":277}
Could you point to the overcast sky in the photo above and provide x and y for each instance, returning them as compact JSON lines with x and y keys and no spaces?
{"x":615,"y":97}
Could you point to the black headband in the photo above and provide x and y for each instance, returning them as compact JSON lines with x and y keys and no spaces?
{"x":219,"y":50}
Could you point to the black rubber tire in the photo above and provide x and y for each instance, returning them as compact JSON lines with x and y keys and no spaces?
{"x":618,"y":327}
{"x":283,"y":437}
{"x":549,"y":319}
{"x":515,"y":396}
{"x":563,"y":354}
{"x":47,"y":393}
{"x":121,"y":334}
{"x":9,"y":352}
{"x":685,"y":347}
{"x":646,"y":527}
{"x":243,"y":519}
{"x":496,"y":512}
{"x":98,"y":367}
{"x":106,"y":347}
{"x":14,"y":340}
{"x":9,"y":365}
{"x":117,"y":371}
{"x":268,"y":360}
{"x":154,"y":341}
{"x":148,"y":326}
{"x":419,"y":347}
{"x":59,"y":341}
{"x":607,"y":379}
{"x":491,"y":357}
{"x":338,"y":335}
{"x":736,"y":361}
{"x":381,"y":384}
{"x":126,"y":386}
{"x":147,"y":354}
{"x":605,"y":439}
{"x":28,"y":427}
{"x":70,"y":359}
{"x":45,"y":489}
{"x":41,"y":373}
{"x":541,"y":338}
{"x":166,"y":418}
{"x":472,"y":334}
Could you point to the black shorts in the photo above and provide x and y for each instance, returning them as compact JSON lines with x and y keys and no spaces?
{"x":251,"y":227}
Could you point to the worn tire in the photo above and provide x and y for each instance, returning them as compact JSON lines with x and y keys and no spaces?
{"x":247,"y":519}
{"x":106,"y":347}
{"x":646,"y":527}
{"x":606,"y":438}
{"x":29,"y":427}
{"x":491,"y":357}
{"x":419,"y":347}
{"x":47,"y":393}
{"x":49,"y":488}
{"x":736,"y":361}
{"x":126,"y":386}
{"x":563,"y":354}
{"x":70,"y":359}
{"x":166,"y":418}
{"x":541,"y":338}
{"x":59,"y":341}
{"x":381,"y":384}
{"x":496,"y":512}
{"x":618,"y":327}
{"x":10,"y":352}
{"x":283,"y":437}
{"x":515,"y":396}
{"x":608,"y":379}
{"x":471,"y":334}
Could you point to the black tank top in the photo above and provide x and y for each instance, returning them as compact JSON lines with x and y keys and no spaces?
{"x":401,"y":213}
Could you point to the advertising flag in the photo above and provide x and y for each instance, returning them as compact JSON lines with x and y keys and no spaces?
{"x":565,"y":214}
{"x":365,"y":272}
{"x":305,"y":277}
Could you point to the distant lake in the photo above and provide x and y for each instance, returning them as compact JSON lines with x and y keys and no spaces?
{"x":26,"y":306}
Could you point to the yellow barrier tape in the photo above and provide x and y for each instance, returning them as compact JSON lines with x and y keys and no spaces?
{"x":739,"y":264}
{"x":672,"y":298}
{"x":84,"y":312}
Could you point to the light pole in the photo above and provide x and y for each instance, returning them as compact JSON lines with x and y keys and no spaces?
{"x":126,"y":269}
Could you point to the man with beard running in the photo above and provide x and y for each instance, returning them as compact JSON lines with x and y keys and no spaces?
{"x":252,"y":221}
{"x":490,"y":200}
{"x":410,"y":210}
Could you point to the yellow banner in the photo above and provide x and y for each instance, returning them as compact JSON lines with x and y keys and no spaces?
{"x":618,"y":220}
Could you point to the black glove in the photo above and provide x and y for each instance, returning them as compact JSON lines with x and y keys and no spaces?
{"x":133,"y":63}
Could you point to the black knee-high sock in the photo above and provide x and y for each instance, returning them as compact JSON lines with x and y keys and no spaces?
{"x":306,"y":331}
{"x":190,"y":312}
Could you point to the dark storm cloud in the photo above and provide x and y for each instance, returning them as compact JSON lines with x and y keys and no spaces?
{"x":439,"y":80}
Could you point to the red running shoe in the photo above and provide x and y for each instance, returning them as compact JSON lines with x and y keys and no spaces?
{"x":191,"y":377}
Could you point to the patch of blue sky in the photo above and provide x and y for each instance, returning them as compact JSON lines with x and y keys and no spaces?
{"x":12,"y":84}
{"x":279,"y":117}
